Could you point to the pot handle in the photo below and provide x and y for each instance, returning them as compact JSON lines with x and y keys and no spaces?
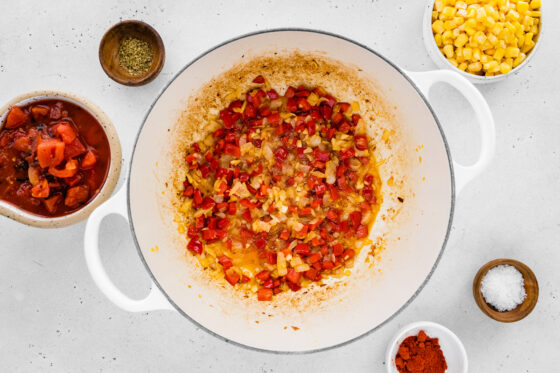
{"x":464,"y":174}
{"x":155,"y":299}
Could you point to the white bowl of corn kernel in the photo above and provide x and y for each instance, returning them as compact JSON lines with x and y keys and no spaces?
{"x":483,"y":40}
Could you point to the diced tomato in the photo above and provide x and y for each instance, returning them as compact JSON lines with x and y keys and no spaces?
{"x":344,"y":106}
{"x":250,"y":111}
{"x":195,"y":245}
{"x":50,"y":152}
{"x":334,"y":192}
{"x":356,"y":118}
{"x":66,"y":132}
{"x":264,"y":294}
{"x":41,"y":190}
{"x":89,"y":160}
{"x":232,"y":208}
{"x":70,"y":169}
{"x":303,"y":104}
{"x":74,"y":149}
{"x":76,"y":195}
{"x":337,"y":249}
{"x":225,"y":261}
{"x":327,"y":264}
{"x":38,"y":112}
{"x":16,"y":118}
{"x":259,"y":79}
{"x":245,"y":279}
{"x":22,"y":142}
{"x":311,"y":274}
{"x":232,"y":277}
{"x":51,"y":204}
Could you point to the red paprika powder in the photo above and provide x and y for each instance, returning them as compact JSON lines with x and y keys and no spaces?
{"x":420,"y":354}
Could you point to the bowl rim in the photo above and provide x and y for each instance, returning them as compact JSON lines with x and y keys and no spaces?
{"x":447,"y":150}
{"x":143,"y":79}
{"x":22,"y":216}
{"x":438,"y":58}
{"x":486,"y":308}
{"x":397,"y":339}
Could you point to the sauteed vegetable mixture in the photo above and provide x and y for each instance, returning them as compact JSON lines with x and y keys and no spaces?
{"x":284,"y":192}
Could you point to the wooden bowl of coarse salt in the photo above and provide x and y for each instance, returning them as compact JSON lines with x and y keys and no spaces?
{"x":505,"y":290}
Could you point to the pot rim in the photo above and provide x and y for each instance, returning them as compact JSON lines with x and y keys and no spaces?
{"x":451,"y":210}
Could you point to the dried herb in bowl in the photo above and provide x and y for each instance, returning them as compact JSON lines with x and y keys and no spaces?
{"x":135,"y":56}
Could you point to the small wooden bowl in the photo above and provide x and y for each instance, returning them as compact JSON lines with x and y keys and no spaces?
{"x":531,"y":288}
{"x":109,"y":52}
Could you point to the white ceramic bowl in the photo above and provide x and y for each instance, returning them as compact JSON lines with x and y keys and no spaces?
{"x":442,"y":62}
{"x":25,"y":217}
{"x":451,"y":345}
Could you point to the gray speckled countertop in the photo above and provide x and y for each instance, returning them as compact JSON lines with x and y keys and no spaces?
{"x":53,"y":318}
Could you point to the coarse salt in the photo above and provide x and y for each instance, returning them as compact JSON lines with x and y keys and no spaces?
{"x":503,"y":288}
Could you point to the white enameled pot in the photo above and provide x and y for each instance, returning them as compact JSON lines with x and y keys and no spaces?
{"x":372,"y":297}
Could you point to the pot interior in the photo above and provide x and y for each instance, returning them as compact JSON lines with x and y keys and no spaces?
{"x":408,"y":236}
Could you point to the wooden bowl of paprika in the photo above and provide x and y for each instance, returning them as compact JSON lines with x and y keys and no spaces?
{"x":426,"y":346}
{"x":132,"y":53}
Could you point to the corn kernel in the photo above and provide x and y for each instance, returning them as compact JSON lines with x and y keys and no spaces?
{"x":462,"y":66}
{"x":522,"y":7}
{"x":438,"y":27}
{"x":461,"y":40}
{"x":512,"y":52}
{"x":448,"y":50}
{"x":535,"y":4}
{"x":475,"y":67}
{"x":505,"y":68}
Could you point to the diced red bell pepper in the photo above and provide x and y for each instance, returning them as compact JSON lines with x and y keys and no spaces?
{"x":290,"y":92}
{"x":302,"y":249}
{"x":285,"y":235}
{"x":264,"y":294}
{"x":232,"y":277}
{"x":225,"y":261}
{"x":293,"y":276}
{"x":338,"y":249}
{"x":356,"y":218}
{"x":16,"y":118}
{"x":315,"y":257}
{"x":361,"y":142}
{"x":281,"y":153}
{"x":348,"y":254}
{"x":322,"y":156}
{"x":293,"y":286}
{"x":232,"y":150}
{"x":345,"y":154}
{"x":195,"y":245}
{"x":362,"y":231}
{"x":259,"y":79}
{"x":263,"y":275}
